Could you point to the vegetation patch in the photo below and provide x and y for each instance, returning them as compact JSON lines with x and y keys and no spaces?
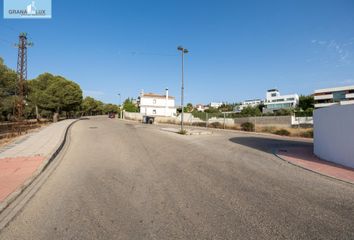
{"x":282,"y":132}
{"x":182,"y":132}
{"x":215,"y":125}
{"x":247,"y":126}
{"x":307,"y":134}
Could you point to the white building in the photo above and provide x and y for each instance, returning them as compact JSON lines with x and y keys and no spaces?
{"x":274,"y":101}
{"x":201,"y":107}
{"x":334,"y":96}
{"x":248,"y":103}
{"x":215,"y":104}
{"x":157,"y":105}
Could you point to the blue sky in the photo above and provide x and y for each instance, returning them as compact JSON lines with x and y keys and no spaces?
{"x":238,"y":49}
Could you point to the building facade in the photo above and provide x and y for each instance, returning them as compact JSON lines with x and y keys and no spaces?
{"x":248,"y":103}
{"x":274,"y":101}
{"x":201,"y":107}
{"x":334,"y":96}
{"x":157,"y":105}
{"x":215,"y":104}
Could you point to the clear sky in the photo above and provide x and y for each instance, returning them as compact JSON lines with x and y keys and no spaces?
{"x":238,"y":49}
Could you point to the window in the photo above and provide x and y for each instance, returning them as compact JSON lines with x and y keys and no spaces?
{"x":154,"y":111}
{"x":154,"y":102}
{"x":338,"y":96}
{"x":274,"y":95}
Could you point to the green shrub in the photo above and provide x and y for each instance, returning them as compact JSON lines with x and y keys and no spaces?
{"x":199,"y":124}
{"x":282,"y":132}
{"x":215,"y":125}
{"x":307,"y":134}
{"x":183,"y":132}
{"x":247,"y":126}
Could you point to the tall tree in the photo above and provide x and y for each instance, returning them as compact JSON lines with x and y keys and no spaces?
{"x":129,"y":106}
{"x":8,"y":80}
{"x":306,"y":102}
{"x":36,"y":88}
{"x":55,"y":94}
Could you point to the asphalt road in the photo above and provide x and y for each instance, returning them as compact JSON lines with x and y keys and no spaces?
{"x":123,"y":180}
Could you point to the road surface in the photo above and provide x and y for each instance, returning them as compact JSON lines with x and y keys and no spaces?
{"x":124,"y":180}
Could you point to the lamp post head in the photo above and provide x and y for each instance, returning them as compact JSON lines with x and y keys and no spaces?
{"x":182,"y":49}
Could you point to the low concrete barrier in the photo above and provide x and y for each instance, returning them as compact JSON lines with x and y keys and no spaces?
{"x":276,"y":121}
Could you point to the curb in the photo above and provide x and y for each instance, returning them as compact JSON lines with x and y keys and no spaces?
{"x":310,"y":170}
{"x":204,"y":132}
{"x":14,"y":195}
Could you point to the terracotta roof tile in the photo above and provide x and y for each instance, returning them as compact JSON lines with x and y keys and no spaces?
{"x":153,"y":95}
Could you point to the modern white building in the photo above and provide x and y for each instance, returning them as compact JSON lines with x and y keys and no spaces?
{"x":215,"y":104}
{"x":334,"y":96}
{"x":157,"y":105}
{"x":248,"y":103}
{"x":274,"y":101}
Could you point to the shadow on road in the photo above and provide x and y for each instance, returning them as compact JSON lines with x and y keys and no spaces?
{"x":269,"y":144}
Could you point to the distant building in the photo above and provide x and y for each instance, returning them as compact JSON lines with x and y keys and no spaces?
{"x":334,"y":96}
{"x":215,"y":104}
{"x":201,"y":107}
{"x":157,"y":105}
{"x":274,"y":101}
{"x":248,"y":103}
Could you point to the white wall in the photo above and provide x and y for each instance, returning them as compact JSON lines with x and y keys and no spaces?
{"x":157,"y":106}
{"x":159,"y":111}
{"x":334,"y":134}
{"x":149,"y":101}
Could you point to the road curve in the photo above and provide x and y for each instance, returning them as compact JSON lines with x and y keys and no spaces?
{"x":123,"y":180}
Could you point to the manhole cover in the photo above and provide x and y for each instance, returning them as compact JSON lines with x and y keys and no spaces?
{"x":93,"y":127}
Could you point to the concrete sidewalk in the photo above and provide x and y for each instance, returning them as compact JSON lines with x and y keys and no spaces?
{"x":304,"y":157}
{"x":24,"y":159}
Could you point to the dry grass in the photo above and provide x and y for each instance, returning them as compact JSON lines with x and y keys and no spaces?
{"x":294,"y":132}
{"x":11,"y":137}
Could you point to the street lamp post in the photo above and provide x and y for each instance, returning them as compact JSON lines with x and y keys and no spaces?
{"x":184,"y":51}
{"x":120,"y":100}
{"x":120,"y":104}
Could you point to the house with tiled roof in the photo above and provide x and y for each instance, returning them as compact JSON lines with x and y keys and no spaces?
{"x":152,"y":104}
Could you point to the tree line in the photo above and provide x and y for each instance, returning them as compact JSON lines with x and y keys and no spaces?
{"x":47,"y":96}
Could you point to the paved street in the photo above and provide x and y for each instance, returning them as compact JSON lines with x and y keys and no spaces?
{"x":124,"y":180}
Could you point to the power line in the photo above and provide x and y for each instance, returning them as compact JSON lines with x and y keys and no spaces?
{"x":5,"y":41}
{"x":135,"y":53}
{"x":10,"y":27}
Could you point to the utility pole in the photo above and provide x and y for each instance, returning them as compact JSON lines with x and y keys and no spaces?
{"x":120,"y":105}
{"x":184,"y":51}
{"x":22,"y":72}
{"x":120,"y":99}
